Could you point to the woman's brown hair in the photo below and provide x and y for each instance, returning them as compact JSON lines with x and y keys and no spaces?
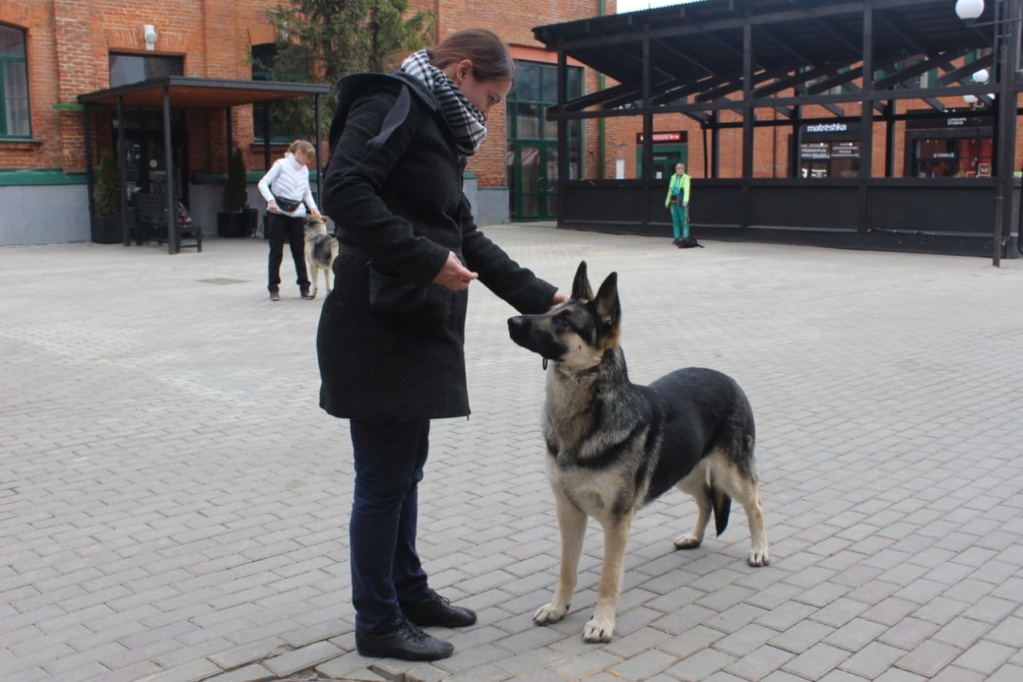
{"x":489,"y":55}
{"x":302,"y":146}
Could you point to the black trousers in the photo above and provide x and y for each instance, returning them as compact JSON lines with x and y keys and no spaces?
{"x":386,"y":571}
{"x":284,"y":227}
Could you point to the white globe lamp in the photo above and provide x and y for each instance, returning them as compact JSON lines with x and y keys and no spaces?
{"x":981,"y":76}
{"x":968,"y":10}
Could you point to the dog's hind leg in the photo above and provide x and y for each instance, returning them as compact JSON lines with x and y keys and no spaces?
{"x":697,"y":485}
{"x":742,"y":486}
{"x":745,"y":491}
{"x":601,"y":627}
{"x":572,"y":523}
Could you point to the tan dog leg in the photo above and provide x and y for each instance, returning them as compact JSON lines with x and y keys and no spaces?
{"x":601,"y":627}
{"x":695,"y":485}
{"x":310,"y":265}
{"x":759,"y":554}
{"x":744,"y":491}
{"x":572,"y":524}
{"x":703,"y":510}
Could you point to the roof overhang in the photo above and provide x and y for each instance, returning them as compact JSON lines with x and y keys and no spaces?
{"x":692,"y":57}
{"x":200,"y":93}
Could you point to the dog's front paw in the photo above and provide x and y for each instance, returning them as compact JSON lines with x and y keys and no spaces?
{"x":599,"y":629}
{"x":759,"y":557}
{"x":549,"y":613}
{"x":687,"y":542}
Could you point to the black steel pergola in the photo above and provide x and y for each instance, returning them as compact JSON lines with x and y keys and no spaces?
{"x":723,"y":63}
{"x":173,"y":92}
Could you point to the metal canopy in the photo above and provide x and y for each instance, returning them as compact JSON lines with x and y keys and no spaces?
{"x":185,"y":92}
{"x":795,"y":41}
{"x":852,"y":58}
{"x":201,"y":93}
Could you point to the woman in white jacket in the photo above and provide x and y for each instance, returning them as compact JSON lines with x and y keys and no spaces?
{"x":286,"y":190}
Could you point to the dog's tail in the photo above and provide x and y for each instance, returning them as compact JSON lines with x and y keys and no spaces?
{"x":722,"y":505}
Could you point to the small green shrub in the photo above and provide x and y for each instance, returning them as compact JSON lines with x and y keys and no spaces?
{"x":107,"y":193}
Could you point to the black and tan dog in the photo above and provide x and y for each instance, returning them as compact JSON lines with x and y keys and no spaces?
{"x":320,"y":252}
{"x":614,"y":446}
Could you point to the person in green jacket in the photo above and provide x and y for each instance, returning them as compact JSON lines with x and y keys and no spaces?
{"x":678,"y":202}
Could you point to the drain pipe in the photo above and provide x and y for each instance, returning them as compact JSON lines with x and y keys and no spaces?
{"x":601,"y":141}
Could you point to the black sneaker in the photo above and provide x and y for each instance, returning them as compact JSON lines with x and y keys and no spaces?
{"x":436,"y":611}
{"x":306,"y":295}
{"x":275,"y":295}
{"x":406,"y":642}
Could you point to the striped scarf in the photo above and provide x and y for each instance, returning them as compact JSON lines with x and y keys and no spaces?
{"x":466,"y":120}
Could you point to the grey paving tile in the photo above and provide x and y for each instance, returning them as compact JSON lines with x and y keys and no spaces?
{"x":816,"y":661}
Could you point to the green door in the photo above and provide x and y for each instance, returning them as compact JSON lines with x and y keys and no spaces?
{"x":535,"y":176}
{"x":665,"y":158}
{"x":532,"y":144}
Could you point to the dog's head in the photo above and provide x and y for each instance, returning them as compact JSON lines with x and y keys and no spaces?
{"x":315,"y":226}
{"x":575,"y":334}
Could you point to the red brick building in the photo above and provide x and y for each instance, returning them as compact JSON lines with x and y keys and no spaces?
{"x":58,"y":50}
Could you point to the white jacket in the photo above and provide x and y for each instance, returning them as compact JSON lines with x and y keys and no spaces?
{"x":288,"y":179}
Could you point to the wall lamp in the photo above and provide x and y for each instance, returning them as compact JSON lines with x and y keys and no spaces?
{"x":149,"y":36}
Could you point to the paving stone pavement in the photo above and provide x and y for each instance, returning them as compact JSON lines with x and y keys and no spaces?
{"x":174,"y":504}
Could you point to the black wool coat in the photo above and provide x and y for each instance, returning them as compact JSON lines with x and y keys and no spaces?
{"x":394,"y":190}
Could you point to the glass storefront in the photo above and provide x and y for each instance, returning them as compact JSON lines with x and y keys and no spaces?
{"x":956,"y":145}
{"x":532,"y":148}
{"x":829,"y":150}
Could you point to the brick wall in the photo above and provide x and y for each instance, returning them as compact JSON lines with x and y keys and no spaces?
{"x":770,"y":145}
{"x":69,"y":42}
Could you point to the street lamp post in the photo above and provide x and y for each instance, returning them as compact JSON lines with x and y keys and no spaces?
{"x":1004,"y":50}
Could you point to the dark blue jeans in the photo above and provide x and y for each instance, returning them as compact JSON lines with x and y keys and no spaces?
{"x":389,"y":460}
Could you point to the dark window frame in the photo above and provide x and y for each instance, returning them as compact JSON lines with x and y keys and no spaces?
{"x":263,"y":71}
{"x":165,"y":60}
{"x":5,"y":134}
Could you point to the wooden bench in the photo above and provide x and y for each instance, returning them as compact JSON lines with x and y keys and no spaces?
{"x":151,"y":223}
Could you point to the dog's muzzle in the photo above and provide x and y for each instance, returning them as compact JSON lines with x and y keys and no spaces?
{"x":523,"y":332}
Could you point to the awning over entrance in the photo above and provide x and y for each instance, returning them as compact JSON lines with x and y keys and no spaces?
{"x":184,"y":92}
{"x":200,"y":93}
{"x":753,"y":63}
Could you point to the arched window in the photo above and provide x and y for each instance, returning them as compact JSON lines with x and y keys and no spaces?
{"x":15,"y":120}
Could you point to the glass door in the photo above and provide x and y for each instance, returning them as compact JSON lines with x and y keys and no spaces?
{"x":533,"y":170}
{"x":532,"y":147}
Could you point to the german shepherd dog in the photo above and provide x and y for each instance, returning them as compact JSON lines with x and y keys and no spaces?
{"x":320,"y":252}
{"x":614,"y":446}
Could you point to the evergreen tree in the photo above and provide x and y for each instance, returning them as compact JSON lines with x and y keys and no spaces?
{"x":107,"y":193}
{"x":319,"y":41}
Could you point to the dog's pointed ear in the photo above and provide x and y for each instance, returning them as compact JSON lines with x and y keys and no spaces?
{"x":608,"y":307}
{"x":581,"y":289}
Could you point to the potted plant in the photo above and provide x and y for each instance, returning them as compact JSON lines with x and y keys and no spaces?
{"x":105,"y":224}
{"x":237,"y":220}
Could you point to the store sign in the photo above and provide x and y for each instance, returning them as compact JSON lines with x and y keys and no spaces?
{"x":827,"y":128}
{"x":845,"y":149}
{"x":671,"y":137}
{"x":830,"y":131}
{"x":829,"y":150}
{"x":953,"y":119}
{"x":815,"y":150}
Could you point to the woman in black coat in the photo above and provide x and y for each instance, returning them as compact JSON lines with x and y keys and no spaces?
{"x":391,"y":334}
